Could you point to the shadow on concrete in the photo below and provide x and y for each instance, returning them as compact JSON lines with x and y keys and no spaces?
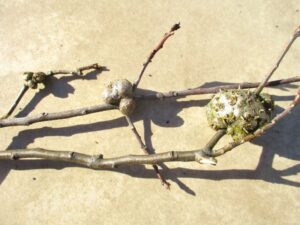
{"x":59,"y":87}
{"x":281,"y":140}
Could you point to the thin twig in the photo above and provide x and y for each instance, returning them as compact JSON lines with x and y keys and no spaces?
{"x":212,"y":90}
{"x":78,"y":71}
{"x":16,"y":102}
{"x":154,"y":51}
{"x":24,"y":121}
{"x":287,"y":48}
{"x":98,"y":162}
{"x":147,"y":152}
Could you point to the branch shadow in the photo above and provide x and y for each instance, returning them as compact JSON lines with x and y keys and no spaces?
{"x":59,"y":87}
{"x":276,"y":141}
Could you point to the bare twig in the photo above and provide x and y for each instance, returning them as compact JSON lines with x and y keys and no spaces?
{"x":212,"y":90}
{"x":78,"y":71}
{"x":24,"y":121}
{"x":146,"y":151}
{"x":21,"y":121}
{"x":154,"y":51}
{"x":287,"y":48}
{"x":98,"y":162}
{"x":16,"y":102}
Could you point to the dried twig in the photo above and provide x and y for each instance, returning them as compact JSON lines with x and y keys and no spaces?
{"x":16,"y":102}
{"x":98,"y":162}
{"x":21,"y":121}
{"x":43,"y":75}
{"x":287,"y":48}
{"x":154,"y":51}
{"x":24,"y":121}
{"x":212,"y":90}
{"x":78,"y":71}
{"x":146,"y":151}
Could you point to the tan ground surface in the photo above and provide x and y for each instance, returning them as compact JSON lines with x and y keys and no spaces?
{"x":225,"y":41}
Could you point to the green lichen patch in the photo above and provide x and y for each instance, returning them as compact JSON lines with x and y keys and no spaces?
{"x":238,"y":111}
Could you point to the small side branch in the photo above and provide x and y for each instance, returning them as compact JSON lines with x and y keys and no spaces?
{"x":23,"y":121}
{"x":154,"y":51}
{"x":146,"y":151}
{"x":77,"y":72}
{"x":287,"y":48}
{"x":16,"y":102}
{"x":212,"y":90}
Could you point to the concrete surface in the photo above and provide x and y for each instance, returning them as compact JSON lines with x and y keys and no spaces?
{"x":225,"y":41}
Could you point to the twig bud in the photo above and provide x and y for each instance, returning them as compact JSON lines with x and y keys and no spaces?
{"x":297,"y":32}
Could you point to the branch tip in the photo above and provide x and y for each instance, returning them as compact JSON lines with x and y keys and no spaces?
{"x":297,"y":32}
{"x":176,"y":26}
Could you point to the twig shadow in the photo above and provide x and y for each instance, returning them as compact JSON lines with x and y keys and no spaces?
{"x":58,"y":86}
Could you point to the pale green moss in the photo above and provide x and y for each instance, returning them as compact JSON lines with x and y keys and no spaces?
{"x":240,"y":112}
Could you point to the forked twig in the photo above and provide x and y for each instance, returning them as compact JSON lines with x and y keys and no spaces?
{"x":260,"y":87}
{"x":25,"y":87}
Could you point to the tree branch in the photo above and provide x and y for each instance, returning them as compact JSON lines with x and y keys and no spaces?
{"x":212,"y":90}
{"x":16,"y":102}
{"x":24,"y":121}
{"x":154,"y":51}
{"x":97,"y":161}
